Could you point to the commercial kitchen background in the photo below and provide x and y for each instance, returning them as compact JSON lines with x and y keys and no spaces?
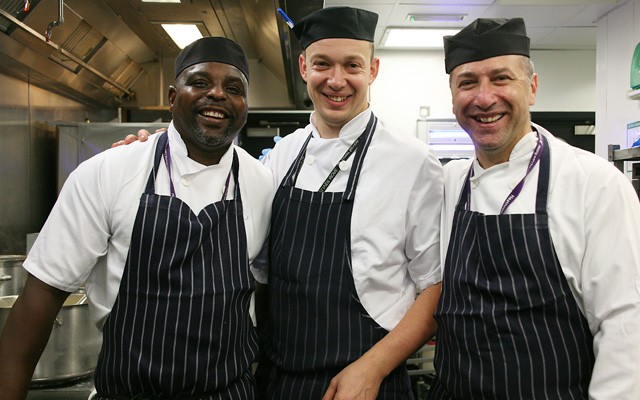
{"x":582,"y":80}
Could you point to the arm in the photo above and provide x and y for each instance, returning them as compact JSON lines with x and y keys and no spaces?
{"x":364,"y":376}
{"x":25,"y":335}
{"x":611,"y":289}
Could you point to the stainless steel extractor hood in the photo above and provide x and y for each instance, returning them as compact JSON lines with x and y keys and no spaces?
{"x":115,"y":53}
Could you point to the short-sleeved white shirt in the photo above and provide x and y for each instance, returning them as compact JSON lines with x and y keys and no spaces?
{"x":85,"y":240}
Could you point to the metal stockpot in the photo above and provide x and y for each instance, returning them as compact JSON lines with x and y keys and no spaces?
{"x":73,"y":348}
{"x":12,"y":274}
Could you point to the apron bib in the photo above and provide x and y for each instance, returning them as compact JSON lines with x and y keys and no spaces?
{"x":180,"y":327}
{"x":318,"y":324}
{"x":509,"y":325}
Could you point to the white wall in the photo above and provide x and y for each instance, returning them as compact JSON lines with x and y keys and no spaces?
{"x":410,"y":79}
{"x":618,"y":34}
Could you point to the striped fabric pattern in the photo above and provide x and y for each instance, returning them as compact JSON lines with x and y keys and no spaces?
{"x":318,"y":324}
{"x":509,"y":326}
{"x":180,"y":326}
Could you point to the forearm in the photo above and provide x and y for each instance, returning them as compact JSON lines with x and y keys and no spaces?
{"x":25,"y":335}
{"x":413,"y":330}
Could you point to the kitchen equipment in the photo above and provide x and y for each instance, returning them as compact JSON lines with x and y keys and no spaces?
{"x":74,"y":345}
{"x":12,"y":274}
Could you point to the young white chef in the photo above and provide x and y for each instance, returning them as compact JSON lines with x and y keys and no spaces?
{"x":354,"y":232}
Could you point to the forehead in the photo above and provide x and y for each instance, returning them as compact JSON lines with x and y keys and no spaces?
{"x":340,"y":48}
{"x":214,"y":69}
{"x":488,"y":65}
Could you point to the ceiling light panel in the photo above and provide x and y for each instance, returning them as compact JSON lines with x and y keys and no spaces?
{"x":182,"y":34}
{"x":415,"y":38}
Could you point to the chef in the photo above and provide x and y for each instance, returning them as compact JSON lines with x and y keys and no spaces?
{"x":169,"y":284}
{"x":354,"y":232}
{"x":541,"y":278}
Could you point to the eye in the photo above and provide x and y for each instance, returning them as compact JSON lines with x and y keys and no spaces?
{"x":199,"y":83}
{"x":465,"y":83}
{"x":502,"y":78}
{"x":320,"y":64}
{"x":235,"y":89}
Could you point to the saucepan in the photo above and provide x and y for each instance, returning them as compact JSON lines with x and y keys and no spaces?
{"x":12,"y":274}
{"x":73,"y":348}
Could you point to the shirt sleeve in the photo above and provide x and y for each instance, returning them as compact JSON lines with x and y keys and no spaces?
{"x":423,"y":224}
{"x":611,"y":286}
{"x":76,"y":232}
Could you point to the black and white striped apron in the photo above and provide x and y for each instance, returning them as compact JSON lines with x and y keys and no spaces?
{"x":180,"y":327}
{"x":509,"y":325}
{"x":318,"y":324}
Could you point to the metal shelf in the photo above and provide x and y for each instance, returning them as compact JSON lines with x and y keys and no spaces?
{"x":619,"y":156}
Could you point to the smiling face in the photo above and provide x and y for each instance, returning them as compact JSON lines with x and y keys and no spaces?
{"x":491,"y":100}
{"x":338,"y":73}
{"x":209,"y":107}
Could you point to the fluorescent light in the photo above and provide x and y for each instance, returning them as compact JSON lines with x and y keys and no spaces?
{"x":161,"y":1}
{"x":182,"y":34}
{"x":436,"y":17}
{"x":419,"y":38}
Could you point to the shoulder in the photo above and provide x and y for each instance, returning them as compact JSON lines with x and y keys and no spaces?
{"x":250,"y":164}
{"x":254,"y":173}
{"x":118,"y":165}
{"x":583,"y":165}
{"x":286,"y":150}
{"x":410,"y":148}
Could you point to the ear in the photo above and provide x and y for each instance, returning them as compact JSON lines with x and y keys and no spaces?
{"x":534,"y":89}
{"x":302,"y":61}
{"x":171,"y":96}
{"x":373,"y":71}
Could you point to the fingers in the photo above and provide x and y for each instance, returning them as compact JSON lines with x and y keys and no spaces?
{"x":118,"y":143}
{"x":331,"y":392}
{"x":130,"y":139}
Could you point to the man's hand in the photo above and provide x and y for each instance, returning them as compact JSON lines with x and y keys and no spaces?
{"x":357,"y":381}
{"x":143,"y":135}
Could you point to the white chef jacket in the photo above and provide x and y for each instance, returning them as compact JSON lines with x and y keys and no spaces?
{"x":395,"y":224}
{"x":86,"y":237}
{"x":594,"y":221}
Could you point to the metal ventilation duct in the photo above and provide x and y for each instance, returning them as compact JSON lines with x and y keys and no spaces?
{"x":291,"y":49}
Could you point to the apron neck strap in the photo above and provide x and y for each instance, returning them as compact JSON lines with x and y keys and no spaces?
{"x":359,"y":146}
{"x":540,"y":154}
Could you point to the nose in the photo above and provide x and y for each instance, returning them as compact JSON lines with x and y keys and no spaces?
{"x":217,"y":92}
{"x":485,"y":96}
{"x":337,"y":78}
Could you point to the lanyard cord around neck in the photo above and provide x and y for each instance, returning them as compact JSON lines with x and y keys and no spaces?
{"x":535,"y":157}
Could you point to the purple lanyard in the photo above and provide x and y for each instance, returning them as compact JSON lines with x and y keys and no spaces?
{"x":167,"y":163}
{"x":535,"y":157}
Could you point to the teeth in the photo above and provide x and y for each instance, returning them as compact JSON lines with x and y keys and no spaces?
{"x":490,"y":119}
{"x":213,"y":114}
{"x":337,"y":98}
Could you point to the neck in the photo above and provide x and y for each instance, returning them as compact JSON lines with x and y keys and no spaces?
{"x":206,"y":157}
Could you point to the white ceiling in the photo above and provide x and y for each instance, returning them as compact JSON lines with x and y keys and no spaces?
{"x":570,"y":24}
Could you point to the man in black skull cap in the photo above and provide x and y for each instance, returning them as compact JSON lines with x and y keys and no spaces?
{"x":354,"y":232}
{"x":170,"y":284}
{"x":541,"y":264}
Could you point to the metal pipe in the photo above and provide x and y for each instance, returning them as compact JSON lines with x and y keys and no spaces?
{"x":77,"y":60}
{"x":58,"y":22}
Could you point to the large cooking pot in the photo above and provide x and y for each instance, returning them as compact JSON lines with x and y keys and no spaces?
{"x":74,"y":345}
{"x":12,"y":275}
